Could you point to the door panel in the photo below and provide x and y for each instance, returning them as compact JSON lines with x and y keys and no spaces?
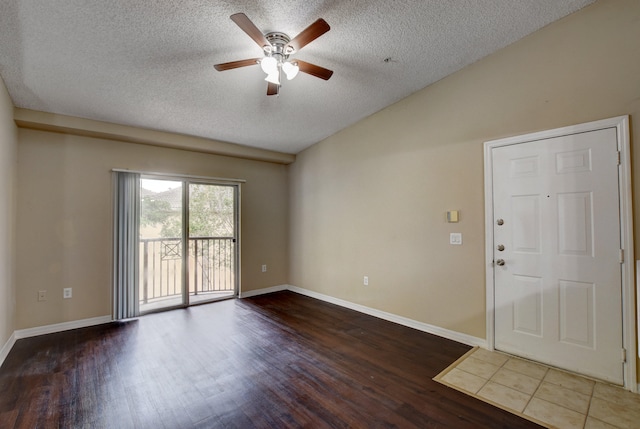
{"x":161,"y":245}
{"x":525,"y":212}
{"x":577,"y":312}
{"x":527,"y":305}
{"x":575,"y":224}
{"x":558,"y":297}
{"x":212,"y":242}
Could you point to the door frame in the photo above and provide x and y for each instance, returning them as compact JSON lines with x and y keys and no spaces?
{"x":629,"y":304}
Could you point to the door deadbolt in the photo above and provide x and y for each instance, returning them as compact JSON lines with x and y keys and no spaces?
{"x":500,"y":262}
{"x":500,"y":222}
{"x":500,"y":247}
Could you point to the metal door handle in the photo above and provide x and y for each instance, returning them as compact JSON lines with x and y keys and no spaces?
{"x":500,"y":262}
{"x":500,"y":221}
{"x":500,"y":247}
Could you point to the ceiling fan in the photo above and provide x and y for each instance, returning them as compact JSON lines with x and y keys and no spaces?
{"x":278,"y":47}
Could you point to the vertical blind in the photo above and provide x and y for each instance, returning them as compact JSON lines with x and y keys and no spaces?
{"x":125,"y":245}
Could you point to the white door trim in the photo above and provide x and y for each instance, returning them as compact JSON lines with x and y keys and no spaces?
{"x":621,"y":124}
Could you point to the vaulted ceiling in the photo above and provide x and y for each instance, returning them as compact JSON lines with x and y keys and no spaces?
{"x":149,"y":64}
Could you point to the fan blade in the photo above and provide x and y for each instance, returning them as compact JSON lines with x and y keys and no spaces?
{"x":314,"y":70}
{"x":236,"y":64}
{"x":308,"y":35}
{"x":272,"y":88}
{"x":250,"y":28}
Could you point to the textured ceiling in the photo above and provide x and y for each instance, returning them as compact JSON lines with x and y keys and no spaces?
{"x":150,"y":63}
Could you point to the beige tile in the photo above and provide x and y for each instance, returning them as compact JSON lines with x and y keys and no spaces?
{"x":615,"y":414}
{"x":554,"y":414}
{"x":570,"y":381}
{"x":527,"y":368}
{"x":597,"y":424}
{"x":463,"y":380}
{"x":520,"y":382}
{"x":495,"y":358}
{"x":478,"y":367}
{"x":564,"y":397}
{"x":504,"y":396}
{"x":617,"y":395}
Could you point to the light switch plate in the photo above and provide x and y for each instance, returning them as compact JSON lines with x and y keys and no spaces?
{"x":455,"y":238}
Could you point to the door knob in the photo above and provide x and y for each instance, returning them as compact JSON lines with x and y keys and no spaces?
{"x":500,"y":222}
{"x":500,"y":262}
{"x":500,"y":247}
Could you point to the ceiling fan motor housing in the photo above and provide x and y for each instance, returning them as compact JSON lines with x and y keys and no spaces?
{"x":278,"y":42}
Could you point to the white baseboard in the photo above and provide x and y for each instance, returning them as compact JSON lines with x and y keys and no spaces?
{"x":250,"y":293}
{"x":424,"y":327}
{"x":59,"y":327}
{"x":4,"y":351}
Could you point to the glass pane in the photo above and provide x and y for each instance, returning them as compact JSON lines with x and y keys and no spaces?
{"x":211,"y":242}
{"x":211,"y":211}
{"x":161,"y":245}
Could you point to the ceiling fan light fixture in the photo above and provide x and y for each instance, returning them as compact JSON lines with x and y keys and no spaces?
{"x":290,"y":69}
{"x":273,"y":78}
{"x":277,"y":48}
{"x":269,"y":65}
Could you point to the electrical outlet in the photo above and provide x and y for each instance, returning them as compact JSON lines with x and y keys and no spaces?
{"x":42,"y":295}
{"x":264,"y":268}
{"x":366,"y":281}
{"x":66,"y":293}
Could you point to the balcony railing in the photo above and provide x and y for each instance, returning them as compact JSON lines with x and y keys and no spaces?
{"x":210,"y":269}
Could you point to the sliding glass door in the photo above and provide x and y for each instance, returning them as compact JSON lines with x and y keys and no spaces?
{"x":188,"y":242}
{"x":212,"y":241}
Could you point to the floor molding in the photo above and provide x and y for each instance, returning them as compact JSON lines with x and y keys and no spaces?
{"x":59,"y":327}
{"x":424,"y":327}
{"x":294,"y":369}
{"x":250,"y":293}
{"x":4,"y":351}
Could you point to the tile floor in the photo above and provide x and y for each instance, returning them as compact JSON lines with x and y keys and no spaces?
{"x":549,"y":396}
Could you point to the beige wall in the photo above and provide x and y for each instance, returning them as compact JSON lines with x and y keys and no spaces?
{"x":371,"y":200}
{"x":8,"y":158}
{"x":65,"y":218}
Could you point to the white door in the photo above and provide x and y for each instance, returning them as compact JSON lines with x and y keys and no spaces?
{"x":557,"y":241}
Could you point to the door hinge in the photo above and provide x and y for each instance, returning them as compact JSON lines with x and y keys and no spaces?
{"x":619,"y":158}
{"x":621,"y":256}
{"x":624,"y":355}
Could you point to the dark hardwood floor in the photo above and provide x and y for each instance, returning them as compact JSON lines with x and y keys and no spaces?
{"x":278,"y":360}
